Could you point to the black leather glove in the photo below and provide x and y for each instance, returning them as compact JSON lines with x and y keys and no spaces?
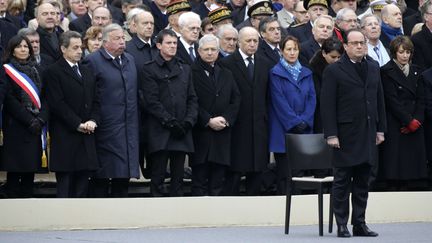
{"x":299,"y":129}
{"x":186,"y":126}
{"x":35,"y":126}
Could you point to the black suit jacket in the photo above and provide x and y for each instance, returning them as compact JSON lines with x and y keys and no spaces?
{"x":302,"y":32}
{"x":353,"y":110}
{"x":422,"y":48}
{"x":183,"y":54}
{"x":46,"y":47}
{"x":72,"y":100}
{"x":266,"y":51}
{"x":249,"y":151}
{"x":141,"y":52}
{"x":81,"y":24}
{"x":307,"y":51}
{"x":410,"y":21}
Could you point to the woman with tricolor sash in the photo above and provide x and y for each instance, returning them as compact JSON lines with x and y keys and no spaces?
{"x":24,"y":116}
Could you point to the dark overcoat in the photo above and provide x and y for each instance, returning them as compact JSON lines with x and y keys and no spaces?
{"x":168,"y":94}
{"x":426,"y":78}
{"x":117,"y":132}
{"x":307,"y":51}
{"x":249,"y":151}
{"x":183,"y":54}
{"x":422,"y":48}
{"x":302,"y":32}
{"x":353,"y":110}
{"x":266,"y":51}
{"x":72,"y":101}
{"x":46,"y":47}
{"x":22,"y":150}
{"x":141,"y":52}
{"x":403,"y":156}
{"x":219,"y":98}
{"x":80,"y":24}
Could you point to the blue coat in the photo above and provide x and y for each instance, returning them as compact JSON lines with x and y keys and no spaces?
{"x":117,"y":132}
{"x":291,"y":102}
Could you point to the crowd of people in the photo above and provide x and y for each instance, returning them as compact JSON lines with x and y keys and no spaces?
{"x":96,"y":91}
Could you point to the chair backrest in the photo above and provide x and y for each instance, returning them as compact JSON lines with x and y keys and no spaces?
{"x":308,"y":151}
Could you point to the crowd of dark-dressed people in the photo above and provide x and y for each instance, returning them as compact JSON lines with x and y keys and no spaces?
{"x":100,"y":92}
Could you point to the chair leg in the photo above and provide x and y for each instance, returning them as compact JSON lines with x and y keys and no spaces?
{"x":331,"y":211}
{"x":287,"y":209}
{"x":320,"y":209}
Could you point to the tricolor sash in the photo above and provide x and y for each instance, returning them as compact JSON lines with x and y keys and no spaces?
{"x":22,"y":80}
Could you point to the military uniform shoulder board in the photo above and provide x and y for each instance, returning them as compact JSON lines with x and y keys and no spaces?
{"x":297,"y":25}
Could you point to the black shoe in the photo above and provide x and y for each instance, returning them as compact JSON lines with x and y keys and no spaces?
{"x":342,"y":231}
{"x":363,"y":230}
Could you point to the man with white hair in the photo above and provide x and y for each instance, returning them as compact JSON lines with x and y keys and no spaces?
{"x":228,"y":36}
{"x":346,"y":19}
{"x":391,"y":25}
{"x":371,"y":28}
{"x":190,"y":27}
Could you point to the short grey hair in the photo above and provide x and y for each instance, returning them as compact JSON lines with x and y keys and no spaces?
{"x":363,"y":19}
{"x":223,"y":28}
{"x":27,"y":32}
{"x":132,"y":14}
{"x":187,"y":18}
{"x":323,"y":17}
{"x":341,"y":14}
{"x":208,"y":38}
{"x":108,"y":29}
{"x":424,"y":8}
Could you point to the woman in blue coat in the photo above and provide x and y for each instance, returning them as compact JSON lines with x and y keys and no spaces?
{"x":292,"y":103}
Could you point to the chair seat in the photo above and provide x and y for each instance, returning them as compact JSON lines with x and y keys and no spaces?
{"x":313,"y":179}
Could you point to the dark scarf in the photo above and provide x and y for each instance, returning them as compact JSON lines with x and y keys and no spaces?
{"x":207,"y":67}
{"x":390,"y":32}
{"x":29,"y":68}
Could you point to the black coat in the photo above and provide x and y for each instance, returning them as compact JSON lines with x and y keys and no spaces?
{"x":168,"y":94}
{"x":46,"y":47}
{"x":266,"y":51}
{"x":302,"y":32}
{"x":403,"y":156}
{"x":422,"y":48}
{"x":201,"y":10}
{"x":22,"y":150}
{"x":238,"y":15}
{"x":8,"y":30}
{"x":141,"y":52}
{"x":426,"y":78}
{"x":219,"y":98}
{"x":307,"y":50}
{"x":183,"y":54}
{"x":160,"y":19}
{"x":245,"y":23}
{"x":410,"y":21}
{"x":81,"y":24}
{"x":250,"y":152}
{"x":353,"y":110}
{"x":72,"y":101}
{"x":317,"y":65}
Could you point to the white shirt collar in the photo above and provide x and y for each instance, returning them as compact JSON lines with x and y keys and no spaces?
{"x":70,"y":63}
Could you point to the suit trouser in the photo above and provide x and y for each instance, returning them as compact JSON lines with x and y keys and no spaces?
{"x":101,"y":187}
{"x":253,"y":183}
{"x":72,"y":184}
{"x":353,"y":179}
{"x":159,"y":162}
{"x":207,"y":179}
{"x":19,"y":185}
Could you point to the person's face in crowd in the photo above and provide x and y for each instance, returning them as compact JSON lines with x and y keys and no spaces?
{"x":428,"y":17}
{"x":248,"y":42}
{"x":46,"y":16}
{"x":73,"y":52}
{"x":22,"y":51}
{"x":352,"y":4}
{"x":78,"y":7}
{"x":58,"y":16}
{"x":168,"y":47}
{"x":403,"y":56}
{"x":145,"y":25}
{"x":208,"y":29}
{"x":272,"y":33}
{"x":173,"y":20}
{"x":394,"y":17}
{"x":289,"y":4}
{"x":255,"y":20}
{"x":93,"y":44}
{"x":237,"y":3}
{"x":101,"y":17}
{"x":228,"y":42}
{"x":315,"y":11}
{"x":35,"y":43}
{"x":3,"y":5}
{"x":331,"y":57}
{"x":300,"y":13}
{"x":356,"y":47}
{"x":115,"y":44}
{"x":372,"y":28}
{"x":322,"y":30}
{"x":93,"y":4}
{"x":349,"y":21}
{"x":291,"y":51}
{"x":162,"y":3}
{"x":209,"y":52}
{"x":190,"y":32}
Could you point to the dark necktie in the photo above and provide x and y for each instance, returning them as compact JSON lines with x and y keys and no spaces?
{"x":250,"y":68}
{"x":76,"y":70}
{"x":377,"y":52}
{"x":191,"y":53}
{"x":277,"y":52}
{"x":117,"y":59}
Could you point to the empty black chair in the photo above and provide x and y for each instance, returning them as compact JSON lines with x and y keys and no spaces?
{"x":308,"y":152}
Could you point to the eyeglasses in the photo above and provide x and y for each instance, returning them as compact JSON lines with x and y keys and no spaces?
{"x":356,"y":43}
{"x":194,"y":29}
{"x":350,"y":20}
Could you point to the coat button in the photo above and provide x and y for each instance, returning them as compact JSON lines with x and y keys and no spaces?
{"x":399,"y":87}
{"x":368,"y":117}
{"x":86,"y":106}
{"x":217,"y":94}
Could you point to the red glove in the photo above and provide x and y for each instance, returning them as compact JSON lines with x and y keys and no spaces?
{"x":404,"y":130}
{"x":413,"y":125}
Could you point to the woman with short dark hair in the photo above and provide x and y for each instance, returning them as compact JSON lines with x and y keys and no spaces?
{"x":403,"y":156}
{"x":24,"y":116}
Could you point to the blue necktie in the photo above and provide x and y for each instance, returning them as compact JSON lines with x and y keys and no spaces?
{"x":191,"y":53}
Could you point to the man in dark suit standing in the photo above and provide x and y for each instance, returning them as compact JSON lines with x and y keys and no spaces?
{"x":353,"y":116}
{"x":74,"y":109}
{"x":171,"y":104}
{"x":270,"y":31}
{"x":49,"y":38}
{"x":187,"y":47}
{"x":249,"y":152}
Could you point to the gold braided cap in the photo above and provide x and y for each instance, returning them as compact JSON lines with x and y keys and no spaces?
{"x":219,"y":14}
